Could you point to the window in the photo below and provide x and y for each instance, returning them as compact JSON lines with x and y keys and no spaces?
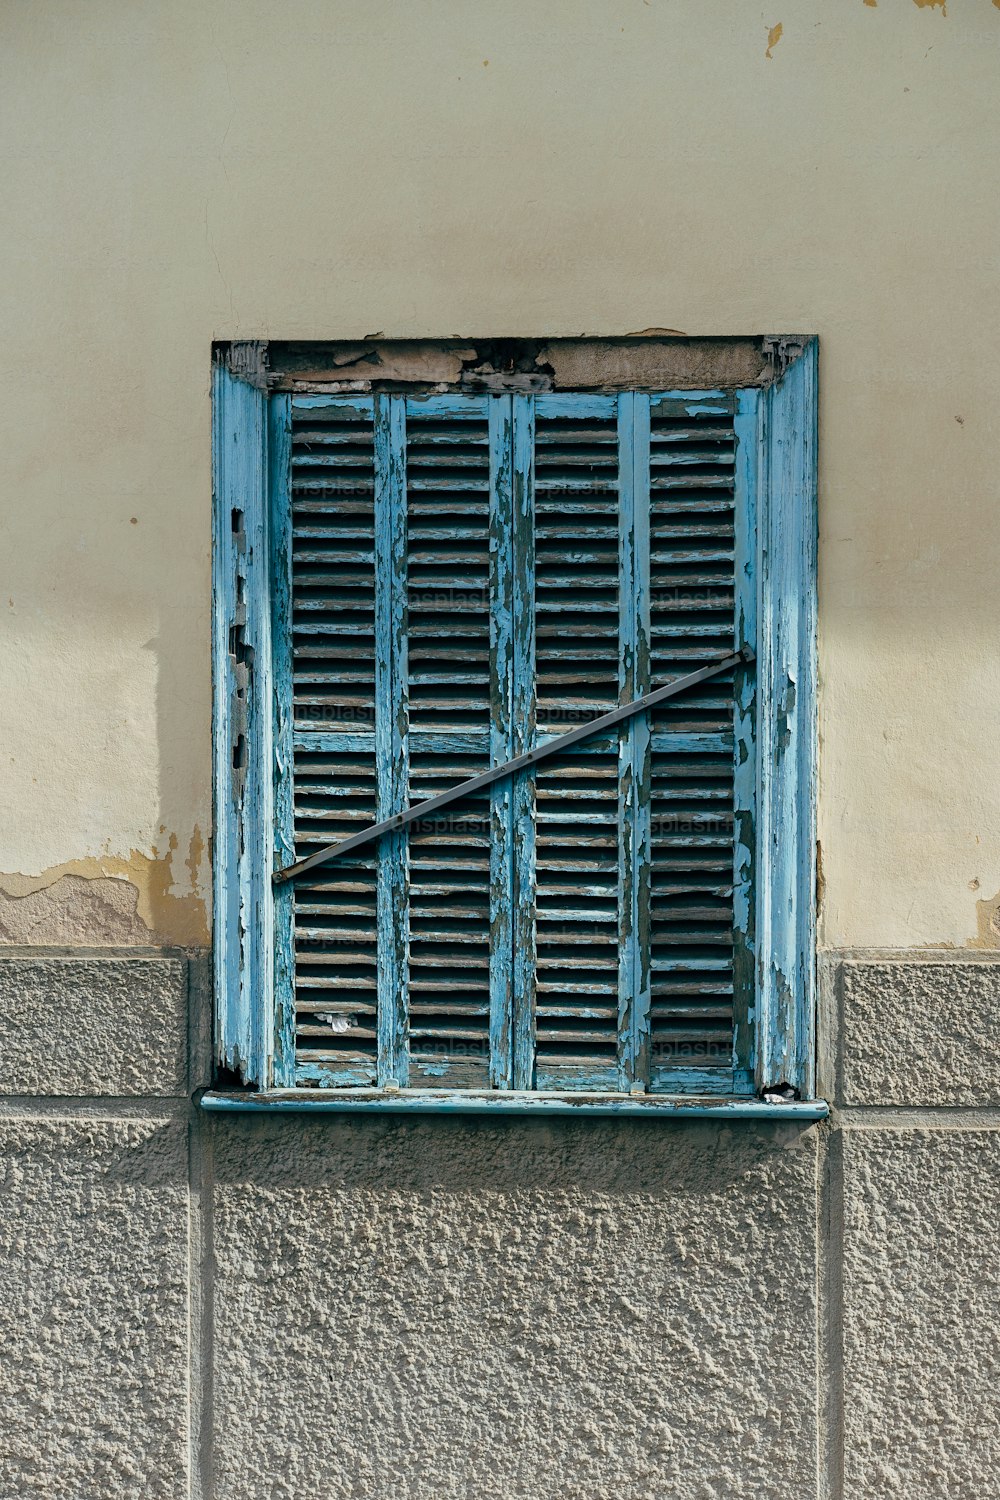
{"x":415,"y":587}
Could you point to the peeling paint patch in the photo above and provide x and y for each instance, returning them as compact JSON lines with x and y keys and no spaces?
{"x":774,"y":37}
{"x":196,"y":853}
{"x":933,"y":5}
{"x":784,"y":717}
{"x":606,"y":364}
{"x":871,"y":3}
{"x":987,"y":923}
{"x":74,"y":909}
{"x":108,"y":900}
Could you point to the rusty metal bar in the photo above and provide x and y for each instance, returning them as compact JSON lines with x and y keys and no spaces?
{"x":510,"y":768}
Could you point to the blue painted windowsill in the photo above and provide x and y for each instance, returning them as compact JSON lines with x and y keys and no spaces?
{"x":426,"y":1101}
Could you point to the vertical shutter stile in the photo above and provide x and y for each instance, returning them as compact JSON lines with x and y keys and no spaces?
{"x":243,"y":750}
{"x":746,"y":426}
{"x":502,"y":626}
{"x":523,"y":712}
{"x":280,"y":519}
{"x":391,"y":734}
{"x":512,"y":733}
{"x":634,"y":754}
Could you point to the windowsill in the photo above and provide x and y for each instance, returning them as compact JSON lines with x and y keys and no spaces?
{"x":427,"y":1101}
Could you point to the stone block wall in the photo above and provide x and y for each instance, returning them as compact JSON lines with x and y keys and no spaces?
{"x":206,"y":1307}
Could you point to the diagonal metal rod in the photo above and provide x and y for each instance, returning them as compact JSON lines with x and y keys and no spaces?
{"x":511,"y":767}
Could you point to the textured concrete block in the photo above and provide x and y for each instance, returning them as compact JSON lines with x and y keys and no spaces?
{"x":921,"y":1291}
{"x":445,"y":1309}
{"x":921,"y":1032}
{"x":93,"y":1310}
{"x":93,"y":1025}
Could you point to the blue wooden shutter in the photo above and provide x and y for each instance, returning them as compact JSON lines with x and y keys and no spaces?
{"x":696,"y":514}
{"x":467,"y":576}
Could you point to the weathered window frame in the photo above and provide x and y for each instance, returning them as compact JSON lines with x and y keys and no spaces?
{"x":776,"y":476}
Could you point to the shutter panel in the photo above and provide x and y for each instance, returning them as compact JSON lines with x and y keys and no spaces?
{"x":578,"y":651}
{"x":333,"y":598}
{"x":470,"y":576}
{"x":691,"y":805}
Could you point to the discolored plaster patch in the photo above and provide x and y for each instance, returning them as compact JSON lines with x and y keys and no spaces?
{"x":656,"y":357}
{"x":109,"y":899}
{"x":657,"y":363}
{"x":987,"y":923}
{"x":196,"y":853}
{"x":394,"y":360}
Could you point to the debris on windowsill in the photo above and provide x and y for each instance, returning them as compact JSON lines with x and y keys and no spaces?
{"x":781,"y":1093}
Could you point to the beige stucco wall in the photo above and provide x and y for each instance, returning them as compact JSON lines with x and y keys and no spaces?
{"x":178,"y":172}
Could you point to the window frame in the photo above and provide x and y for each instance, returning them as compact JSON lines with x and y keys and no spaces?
{"x":775,"y":428}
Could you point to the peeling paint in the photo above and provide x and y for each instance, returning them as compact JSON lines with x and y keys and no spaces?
{"x":655,"y":363}
{"x":785,"y":711}
{"x":108,"y":899}
{"x":987,"y":923}
{"x":933,"y":5}
{"x":656,"y":358}
{"x":196,"y":853}
{"x":774,"y":37}
{"x":820,"y":880}
{"x":359,"y":364}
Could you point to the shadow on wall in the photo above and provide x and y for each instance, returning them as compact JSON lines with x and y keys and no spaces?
{"x":389,"y":1155}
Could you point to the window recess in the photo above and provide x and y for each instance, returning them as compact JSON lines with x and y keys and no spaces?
{"x":413,"y":587}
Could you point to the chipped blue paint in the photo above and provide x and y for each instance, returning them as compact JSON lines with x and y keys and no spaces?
{"x":391,"y":747}
{"x":345,"y":406}
{"x":445,"y":405}
{"x":692,"y":404}
{"x":320,"y":1075}
{"x":528,"y":1105}
{"x":280,"y":539}
{"x":501,"y":417}
{"x":242,"y":908}
{"x":575,"y":404}
{"x":747,"y":431}
{"x":522,"y":740}
{"x":787,"y":530}
{"x":635,"y":751}
{"x":419,"y":739}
